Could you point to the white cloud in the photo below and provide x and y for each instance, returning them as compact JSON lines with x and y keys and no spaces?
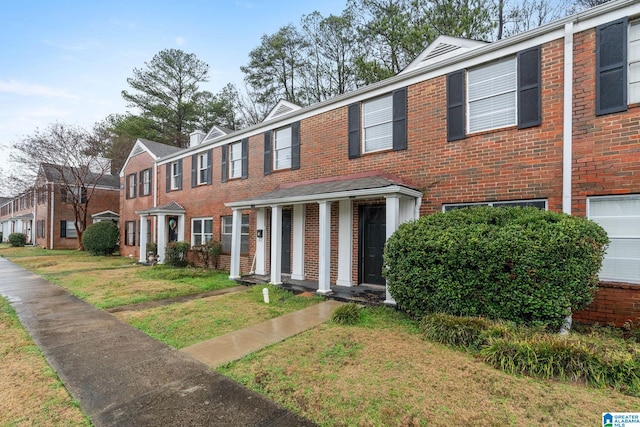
{"x":28,"y":89}
{"x":180,"y":41}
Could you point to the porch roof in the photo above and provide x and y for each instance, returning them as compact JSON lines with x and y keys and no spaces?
{"x":169,"y":208}
{"x":24,"y":216}
{"x":368,"y":185}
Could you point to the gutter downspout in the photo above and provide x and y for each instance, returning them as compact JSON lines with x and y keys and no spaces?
{"x":52,"y":217}
{"x":567,"y":127}
{"x":567,"y":138}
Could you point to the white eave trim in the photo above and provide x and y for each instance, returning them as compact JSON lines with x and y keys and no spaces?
{"x":341,"y":195}
{"x":139,"y":144}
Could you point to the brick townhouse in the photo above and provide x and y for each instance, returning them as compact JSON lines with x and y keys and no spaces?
{"x":547,"y":118}
{"x":44,"y":212}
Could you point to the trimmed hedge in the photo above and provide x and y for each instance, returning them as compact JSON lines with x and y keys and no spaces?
{"x":17,"y":239}
{"x":176,"y":254}
{"x":101,"y":238}
{"x":518,"y":264}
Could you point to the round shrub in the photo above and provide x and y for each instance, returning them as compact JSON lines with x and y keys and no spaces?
{"x":17,"y":239}
{"x":176,"y":254}
{"x":101,"y":238}
{"x":519,"y":264}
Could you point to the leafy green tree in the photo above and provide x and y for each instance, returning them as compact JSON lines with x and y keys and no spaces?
{"x":166,"y":92}
{"x":222,"y":109}
{"x":274,"y":68}
{"x":470,"y":19}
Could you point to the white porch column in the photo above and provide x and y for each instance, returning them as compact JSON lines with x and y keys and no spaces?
{"x":297,"y":273}
{"x":276,"y":244}
{"x":162,"y":237}
{"x":143,"y":239}
{"x":324,"y":243}
{"x":393,"y":220}
{"x":345,"y":243}
{"x":261,"y":224}
{"x":181,"y":219}
{"x":236,"y":239}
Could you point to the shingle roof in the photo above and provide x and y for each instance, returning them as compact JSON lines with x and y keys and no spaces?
{"x":53,"y":173}
{"x":170,"y":208}
{"x":159,"y":149}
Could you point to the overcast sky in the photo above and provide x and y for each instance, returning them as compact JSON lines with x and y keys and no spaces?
{"x":68,"y":61}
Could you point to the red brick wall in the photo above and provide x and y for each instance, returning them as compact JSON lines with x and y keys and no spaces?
{"x":606,"y":161}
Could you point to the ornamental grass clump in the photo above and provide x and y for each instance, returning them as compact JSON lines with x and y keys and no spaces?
{"x":517,"y":264}
{"x":347,"y":314}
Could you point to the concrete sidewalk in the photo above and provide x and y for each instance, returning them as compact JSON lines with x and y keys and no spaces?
{"x":234,"y":345}
{"x":122,"y":377}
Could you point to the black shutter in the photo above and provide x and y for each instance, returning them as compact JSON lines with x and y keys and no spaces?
{"x":168,"y":177}
{"x":63,"y":195}
{"x":354,"y":130}
{"x":611,"y":67}
{"x":295,"y":146}
{"x":63,"y":228}
{"x":245,"y":158}
{"x":455,"y":106}
{"x":529,"y":76}
{"x":223,"y":167}
{"x":267,"y":153}
{"x":180,"y":174}
{"x":209,"y":165}
{"x":127,"y":181}
{"x":133,"y":177}
{"x":400,"y":119}
{"x":141,"y":184}
{"x":83,"y":195}
{"x":194,"y":170}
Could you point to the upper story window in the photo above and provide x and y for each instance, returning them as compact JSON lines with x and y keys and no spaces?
{"x":235,"y":160}
{"x":617,"y":66}
{"x":203,"y":164}
{"x":145,"y":182}
{"x":377,"y":124}
{"x":491,"y":94}
{"x":282,"y":148}
{"x":634,"y":62}
{"x":503,"y":93}
{"x":201,"y":231}
{"x":174,"y":170}
{"x":131,"y":186}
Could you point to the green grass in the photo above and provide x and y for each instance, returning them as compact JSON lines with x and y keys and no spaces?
{"x":181,"y":325}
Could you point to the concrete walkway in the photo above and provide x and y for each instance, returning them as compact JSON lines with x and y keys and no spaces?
{"x":122,"y":377}
{"x":234,"y":345}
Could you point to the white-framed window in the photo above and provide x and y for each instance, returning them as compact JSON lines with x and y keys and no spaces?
{"x":226,"y":228}
{"x":203,"y":164}
{"x":146,"y":182}
{"x":492,"y":96}
{"x":130,"y":233}
{"x":176,"y":176}
{"x":131,"y":186}
{"x":71,"y":232}
{"x":282,"y":148}
{"x":536,"y":203}
{"x":201,"y":231}
{"x":620,"y":218}
{"x":633,"y":57}
{"x":235,"y":160}
{"x":377,"y":124}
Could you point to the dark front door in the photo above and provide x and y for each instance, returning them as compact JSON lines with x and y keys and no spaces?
{"x":286,"y":242}
{"x":172,"y":223}
{"x":373,"y":232}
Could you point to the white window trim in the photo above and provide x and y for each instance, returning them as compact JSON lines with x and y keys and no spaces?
{"x":225,"y":218}
{"x":203,"y":234}
{"x":235,"y":164}
{"x":631,"y":61}
{"x":363,"y":128}
{"x":468,"y":101}
{"x":131,"y":187}
{"x":175,"y":175}
{"x":146,"y":184}
{"x":71,"y":227}
{"x":282,"y":149}
{"x":203,"y":164}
